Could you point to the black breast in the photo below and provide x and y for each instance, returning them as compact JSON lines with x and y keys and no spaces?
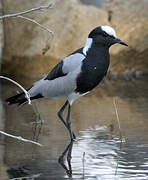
{"x":92,"y":72}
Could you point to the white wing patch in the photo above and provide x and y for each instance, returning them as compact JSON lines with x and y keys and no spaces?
{"x":109,"y":30}
{"x":87,"y":45}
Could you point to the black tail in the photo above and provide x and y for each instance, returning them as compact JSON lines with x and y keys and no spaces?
{"x":19,"y":98}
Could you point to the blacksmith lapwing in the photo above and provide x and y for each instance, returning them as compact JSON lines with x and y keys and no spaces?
{"x":77,"y":74}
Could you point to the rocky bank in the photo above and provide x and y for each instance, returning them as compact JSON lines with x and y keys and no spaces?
{"x":71,"y":21}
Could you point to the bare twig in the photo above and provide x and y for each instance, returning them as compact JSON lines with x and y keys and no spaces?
{"x":24,"y":90}
{"x":49,"y":40}
{"x":20,"y":138}
{"x":117,"y":116}
{"x":35,"y":22}
{"x":50,"y":5}
{"x":20,"y":15}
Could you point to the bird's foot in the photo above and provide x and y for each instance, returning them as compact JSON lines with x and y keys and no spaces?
{"x":73,"y":137}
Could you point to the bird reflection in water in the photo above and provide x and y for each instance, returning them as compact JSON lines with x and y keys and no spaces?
{"x":37,"y":124}
{"x":66,"y":155}
{"x":36,"y":129}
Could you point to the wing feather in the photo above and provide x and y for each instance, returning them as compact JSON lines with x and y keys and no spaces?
{"x":56,"y":72}
{"x":67,"y":65}
{"x":61,"y":81}
{"x":71,"y":62}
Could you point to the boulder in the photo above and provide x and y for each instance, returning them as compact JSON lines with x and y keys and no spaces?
{"x":129,"y":18}
{"x":71,"y":21}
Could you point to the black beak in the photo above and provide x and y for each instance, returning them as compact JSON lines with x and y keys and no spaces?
{"x":120,"y":42}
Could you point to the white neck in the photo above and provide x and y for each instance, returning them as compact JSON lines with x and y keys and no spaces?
{"x":87,"y":45}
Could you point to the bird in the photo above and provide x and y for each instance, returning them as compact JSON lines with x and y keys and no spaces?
{"x":76,"y":74}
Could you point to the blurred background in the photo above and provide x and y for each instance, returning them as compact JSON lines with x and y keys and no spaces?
{"x":27,"y":54}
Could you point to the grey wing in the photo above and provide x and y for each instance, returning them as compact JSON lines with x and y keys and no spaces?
{"x":72,"y":62}
{"x":59,"y":87}
{"x":62,"y":79}
{"x":67,"y":65}
{"x":56,"y":72}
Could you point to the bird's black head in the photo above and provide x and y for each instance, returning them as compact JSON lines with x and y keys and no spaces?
{"x":105,"y":36}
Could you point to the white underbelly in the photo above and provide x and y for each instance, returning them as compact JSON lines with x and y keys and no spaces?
{"x":74,"y":96}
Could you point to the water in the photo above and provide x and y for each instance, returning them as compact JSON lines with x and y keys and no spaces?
{"x":97,"y":153}
{"x":96,"y":3}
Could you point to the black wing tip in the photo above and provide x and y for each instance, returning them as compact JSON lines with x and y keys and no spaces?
{"x":15,"y":99}
{"x":7,"y":102}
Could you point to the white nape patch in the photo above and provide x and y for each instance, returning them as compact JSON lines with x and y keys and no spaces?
{"x":109,"y":30}
{"x":87,"y":45}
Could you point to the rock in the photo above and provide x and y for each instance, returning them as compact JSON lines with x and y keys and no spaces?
{"x":67,"y":20}
{"x":71,"y":21}
{"x":130,"y":21}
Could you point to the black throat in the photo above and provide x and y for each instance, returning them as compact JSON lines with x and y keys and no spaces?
{"x":98,"y":54}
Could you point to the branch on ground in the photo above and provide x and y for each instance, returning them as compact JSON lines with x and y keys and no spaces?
{"x":27,"y":177}
{"x":20,"y":138}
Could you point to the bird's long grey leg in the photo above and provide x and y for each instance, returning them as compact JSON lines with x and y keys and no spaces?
{"x":60,"y":115}
{"x":68,"y":121}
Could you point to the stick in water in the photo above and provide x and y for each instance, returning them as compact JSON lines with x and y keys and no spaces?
{"x":20,"y":138}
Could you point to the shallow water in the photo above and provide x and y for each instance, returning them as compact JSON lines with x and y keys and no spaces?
{"x":98,"y":152}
